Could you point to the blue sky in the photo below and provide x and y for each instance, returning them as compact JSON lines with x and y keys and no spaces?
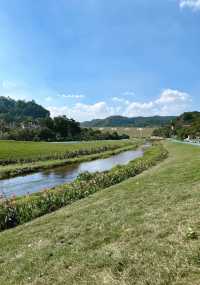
{"x":94,"y":58}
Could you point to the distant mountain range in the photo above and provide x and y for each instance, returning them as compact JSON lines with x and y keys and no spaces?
{"x":120,"y":121}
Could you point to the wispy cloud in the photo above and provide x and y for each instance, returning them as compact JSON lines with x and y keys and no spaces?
{"x":8,"y":85}
{"x":14,"y":89}
{"x":73,"y":96}
{"x":128,"y":93}
{"x":120,"y":100}
{"x":48,"y":99}
{"x":193,"y":4}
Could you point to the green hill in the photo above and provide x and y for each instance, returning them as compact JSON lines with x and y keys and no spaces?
{"x":120,"y":121}
{"x":12,"y":111}
{"x":187,"y":124}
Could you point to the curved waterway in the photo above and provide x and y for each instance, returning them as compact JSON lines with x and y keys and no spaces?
{"x":35,"y":182}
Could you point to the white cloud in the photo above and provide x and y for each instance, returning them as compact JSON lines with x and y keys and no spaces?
{"x":170,"y":102}
{"x":140,"y":109}
{"x":59,"y":111}
{"x":193,"y":4}
{"x":173,"y":96}
{"x":84,"y":112}
{"x":120,"y":100}
{"x":73,"y":96}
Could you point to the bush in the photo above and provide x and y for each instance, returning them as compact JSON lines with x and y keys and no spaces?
{"x":23,"y":209}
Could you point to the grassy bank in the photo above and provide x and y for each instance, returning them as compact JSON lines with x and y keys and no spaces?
{"x":143,"y":231}
{"x":90,"y":153}
{"x":22,"y":152}
{"x":26,"y":168}
{"x":19,"y":210}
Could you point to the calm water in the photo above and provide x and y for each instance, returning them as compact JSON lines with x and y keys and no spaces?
{"x":49,"y":178}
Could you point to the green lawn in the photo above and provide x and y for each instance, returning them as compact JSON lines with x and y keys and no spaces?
{"x":15,"y":150}
{"x":144,"y":231}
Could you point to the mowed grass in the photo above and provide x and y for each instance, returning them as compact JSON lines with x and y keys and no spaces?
{"x":131,"y":131}
{"x":32,"y":150}
{"x":144,"y":231}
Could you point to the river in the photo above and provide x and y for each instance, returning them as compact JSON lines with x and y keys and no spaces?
{"x":41,"y":180}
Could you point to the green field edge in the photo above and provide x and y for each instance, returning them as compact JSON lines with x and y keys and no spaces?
{"x":19,"y":210}
{"x":27,"y":168}
{"x":142,"y":231}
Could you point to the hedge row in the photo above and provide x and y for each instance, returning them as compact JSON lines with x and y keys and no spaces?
{"x":20,"y":210}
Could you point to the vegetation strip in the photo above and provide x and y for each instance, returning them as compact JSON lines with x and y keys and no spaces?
{"x":21,"y":210}
{"x":12,"y":152}
{"x":22,"y":169}
{"x":145,"y":230}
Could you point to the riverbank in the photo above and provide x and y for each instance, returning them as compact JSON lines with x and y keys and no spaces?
{"x":19,"y":210}
{"x":142,"y":231}
{"x":12,"y":152}
{"x":97,"y":149}
{"x":53,"y":177}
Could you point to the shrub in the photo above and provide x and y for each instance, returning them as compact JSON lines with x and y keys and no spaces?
{"x":23,"y":209}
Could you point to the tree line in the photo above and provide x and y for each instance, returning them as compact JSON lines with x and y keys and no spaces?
{"x":184,"y":126}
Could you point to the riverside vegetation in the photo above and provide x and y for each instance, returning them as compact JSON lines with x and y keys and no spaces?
{"x":23,"y":209}
{"x":142,"y":231}
{"x":25,"y":157}
{"x":19,"y":152}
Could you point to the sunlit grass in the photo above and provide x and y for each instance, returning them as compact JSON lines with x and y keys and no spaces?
{"x":85,"y":153}
{"x":13,"y":150}
{"x":145,"y":230}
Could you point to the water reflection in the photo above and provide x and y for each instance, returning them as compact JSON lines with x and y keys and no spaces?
{"x":49,"y":178}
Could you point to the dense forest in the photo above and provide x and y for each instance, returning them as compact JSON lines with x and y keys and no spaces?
{"x":19,"y":111}
{"x":138,"y":122}
{"x":184,"y":126}
{"x":28,"y":121}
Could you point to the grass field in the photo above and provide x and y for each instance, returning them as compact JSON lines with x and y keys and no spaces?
{"x":132,"y":132}
{"x":12,"y":150}
{"x":144,"y":231}
{"x":11,"y":170}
